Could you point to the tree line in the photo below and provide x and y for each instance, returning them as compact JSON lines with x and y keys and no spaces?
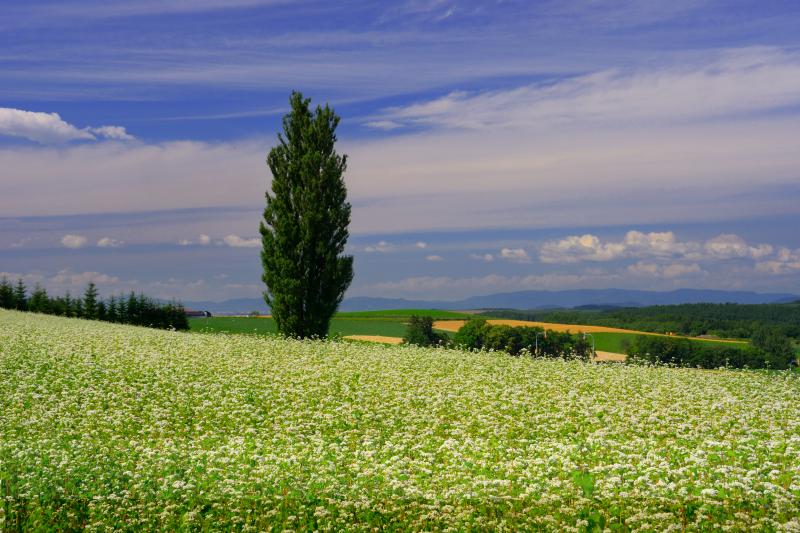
{"x":478,"y":334}
{"x":138,"y":310}
{"x":769,"y":348}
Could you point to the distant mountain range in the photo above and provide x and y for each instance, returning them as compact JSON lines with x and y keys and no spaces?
{"x":524,"y":300}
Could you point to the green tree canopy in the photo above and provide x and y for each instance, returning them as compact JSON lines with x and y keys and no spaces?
{"x":304,"y":230}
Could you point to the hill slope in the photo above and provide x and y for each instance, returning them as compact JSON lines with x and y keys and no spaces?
{"x":130,"y":428}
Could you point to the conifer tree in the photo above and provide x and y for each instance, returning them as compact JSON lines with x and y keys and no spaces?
{"x":304,"y":230}
{"x":90,"y":301}
{"x":39,"y":302}
{"x":20,"y":299}
{"x":6,"y":294}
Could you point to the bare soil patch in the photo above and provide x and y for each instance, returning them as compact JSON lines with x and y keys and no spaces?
{"x":375,"y":338}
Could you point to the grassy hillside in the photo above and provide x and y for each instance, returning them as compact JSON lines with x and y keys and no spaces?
{"x":115,"y":427}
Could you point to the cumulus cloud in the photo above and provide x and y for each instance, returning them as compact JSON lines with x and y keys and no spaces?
{"x":576,"y":248}
{"x":434,"y":258}
{"x":380,"y":247}
{"x":421,"y":244}
{"x":669,"y":271}
{"x":73,"y":241}
{"x":515,"y":255}
{"x":108,"y":242}
{"x":727,"y":246}
{"x":635,"y":244}
{"x":234,"y":241}
{"x":112,"y":132}
{"x":785,"y":261}
{"x":48,"y":128}
{"x":202,"y":240}
{"x":486,"y":258}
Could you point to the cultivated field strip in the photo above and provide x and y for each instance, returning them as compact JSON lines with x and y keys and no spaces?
{"x":110,"y":427}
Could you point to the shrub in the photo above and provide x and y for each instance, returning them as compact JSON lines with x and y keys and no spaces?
{"x":420,"y":332}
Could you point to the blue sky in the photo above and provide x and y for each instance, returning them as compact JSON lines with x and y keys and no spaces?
{"x":494,"y":146}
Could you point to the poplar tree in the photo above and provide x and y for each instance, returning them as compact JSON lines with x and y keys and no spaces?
{"x":304,"y":230}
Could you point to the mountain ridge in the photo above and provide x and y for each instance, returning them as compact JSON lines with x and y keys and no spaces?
{"x":530,"y":299}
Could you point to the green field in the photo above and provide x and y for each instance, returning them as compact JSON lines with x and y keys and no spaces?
{"x":118,"y":428}
{"x":266,"y":326}
{"x":386,"y":323}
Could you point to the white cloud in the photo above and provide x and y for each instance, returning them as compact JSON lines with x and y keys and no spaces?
{"x":577,"y":248}
{"x":727,"y":246}
{"x":434,"y":258}
{"x":421,"y":244}
{"x":202,"y":240}
{"x":108,"y":242}
{"x":736,"y":81}
{"x":46,"y":128}
{"x":386,"y":125}
{"x":784,"y":262}
{"x":515,"y":255}
{"x":670,"y":271}
{"x":486,"y":258}
{"x":234,"y":241}
{"x":112,"y":132}
{"x":635,"y":244}
{"x":380,"y":247}
{"x":73,"y":241}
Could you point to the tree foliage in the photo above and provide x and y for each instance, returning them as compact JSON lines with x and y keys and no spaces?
{"x":137,"y":310}
{"x":420,"y":332}
{"x":304,"y":230}
{"x":724,"y":320}
{"x":480,"y":335}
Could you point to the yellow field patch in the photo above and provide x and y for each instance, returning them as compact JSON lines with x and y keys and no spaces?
{"x":375,"y":338}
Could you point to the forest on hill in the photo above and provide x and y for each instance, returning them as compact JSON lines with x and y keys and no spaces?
{"x":722,"y":320}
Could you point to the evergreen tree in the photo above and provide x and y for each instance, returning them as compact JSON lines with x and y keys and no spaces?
{"x":90,"y":301}
{"x":111,"y":312}
{"x":39,"y":302}
{"x":68,"y":305}
{"x":304,"y":230}
{"x":20,"y":299}
{"x":6,"y":294}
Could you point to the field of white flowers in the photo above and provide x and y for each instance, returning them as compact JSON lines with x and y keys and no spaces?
{"x":116,"y":427}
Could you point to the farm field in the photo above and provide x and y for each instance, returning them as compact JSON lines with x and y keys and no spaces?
{"x":109,"y":427}
{"x":265,"y":326}
{"x":393,"y":324}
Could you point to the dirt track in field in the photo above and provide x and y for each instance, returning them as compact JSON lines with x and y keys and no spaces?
{"x":375,"y":338}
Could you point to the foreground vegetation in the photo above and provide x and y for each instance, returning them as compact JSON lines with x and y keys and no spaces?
{"x":105,"y":427}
